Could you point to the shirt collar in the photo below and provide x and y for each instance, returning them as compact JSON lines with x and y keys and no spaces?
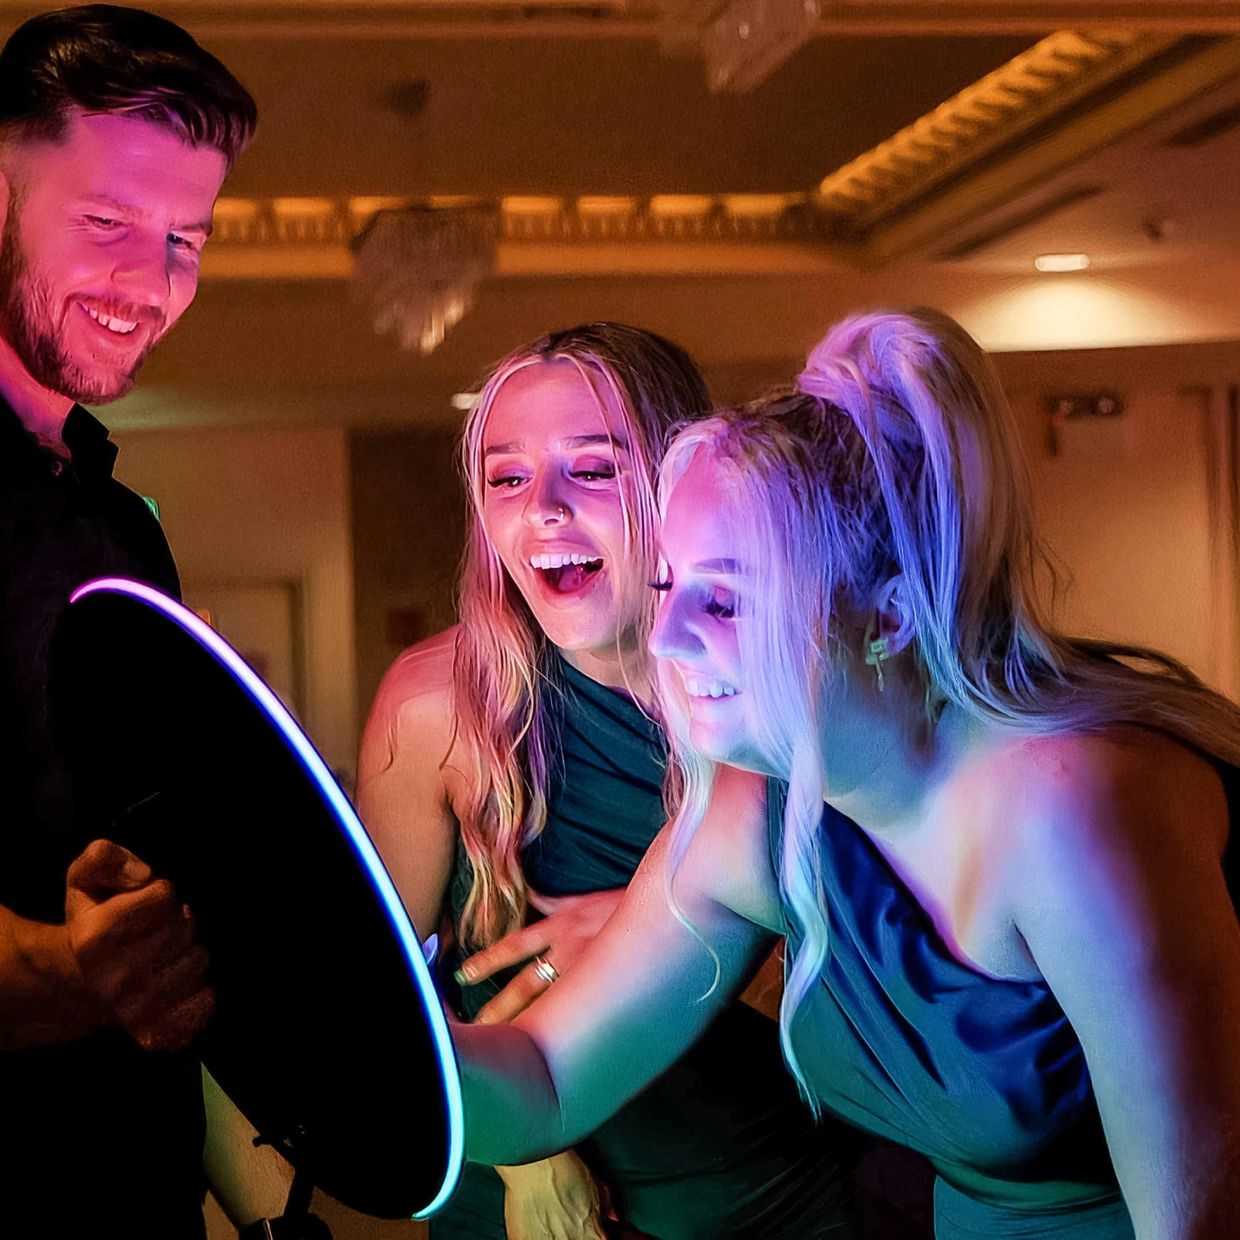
{"x":94,"y":454}
{"x":92,"y":451}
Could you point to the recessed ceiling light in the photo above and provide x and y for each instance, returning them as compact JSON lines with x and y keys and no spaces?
{"x":1061,"y":262}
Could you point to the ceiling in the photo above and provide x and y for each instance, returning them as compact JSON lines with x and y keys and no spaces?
{"x":575,"y":115}
{"x":969,"y":143}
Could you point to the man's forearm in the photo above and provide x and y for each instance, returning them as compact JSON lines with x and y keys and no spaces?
{"x":512,"y":1113}
{"x":42,"y":997}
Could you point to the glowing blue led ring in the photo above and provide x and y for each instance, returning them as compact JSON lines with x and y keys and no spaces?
{"x":373,"y":865}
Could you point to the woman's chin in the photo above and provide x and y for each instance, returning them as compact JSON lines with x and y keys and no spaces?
{"x":728,"y":749}
{"x":714,"y":742}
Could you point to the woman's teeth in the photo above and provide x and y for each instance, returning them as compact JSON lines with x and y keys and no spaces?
{"x":545,"y":562}
{"x":566,"y":572}
{"x":698,"y":687}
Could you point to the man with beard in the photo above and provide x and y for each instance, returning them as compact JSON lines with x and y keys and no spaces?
{"x":116,"y":133}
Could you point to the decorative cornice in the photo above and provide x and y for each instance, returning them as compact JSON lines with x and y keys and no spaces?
{"x":1027,"y":91}
{"x":664,"y":217}
{"x":313,"y":237}
{"x":1013,"y":133}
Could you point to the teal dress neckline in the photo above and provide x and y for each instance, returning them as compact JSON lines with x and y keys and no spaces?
{"x":984,"y":1076}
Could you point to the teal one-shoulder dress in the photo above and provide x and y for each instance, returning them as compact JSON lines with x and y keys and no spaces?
{"x":721,"y":1145}
{"x":983,"y":1076}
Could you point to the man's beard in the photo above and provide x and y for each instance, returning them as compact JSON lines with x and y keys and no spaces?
{"x":28,"y":323}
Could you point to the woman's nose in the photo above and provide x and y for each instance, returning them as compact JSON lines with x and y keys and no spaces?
{"x":545,"y":505}
{"x":672,"y":636}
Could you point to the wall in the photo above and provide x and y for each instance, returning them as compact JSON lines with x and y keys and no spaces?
{"x":1125,"y":505}
{"x":261,"y":507}
{"x":408,"y":529}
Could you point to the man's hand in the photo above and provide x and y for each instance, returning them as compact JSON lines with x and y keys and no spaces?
{"x":556,"y":1199}
{"x":571,"y":922}
{"x":133,"y":942}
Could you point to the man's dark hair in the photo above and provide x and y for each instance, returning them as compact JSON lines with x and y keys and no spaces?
{"x":101,"y":58}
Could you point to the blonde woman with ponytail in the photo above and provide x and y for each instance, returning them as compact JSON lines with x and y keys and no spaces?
{"x":1000,"y":856}
{"x":514,"y":766}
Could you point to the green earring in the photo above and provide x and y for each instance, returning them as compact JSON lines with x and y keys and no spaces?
{"x":876,"y":653}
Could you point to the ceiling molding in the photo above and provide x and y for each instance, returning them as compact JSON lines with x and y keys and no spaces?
{"x":1068,"y":97}
{"x":996,"y":229}
{"x":1027,"y":91}
{"x":311,"y":238}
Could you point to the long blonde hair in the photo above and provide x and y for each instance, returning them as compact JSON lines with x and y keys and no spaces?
{"x":499,"y":687}
{"x":896,"y":456}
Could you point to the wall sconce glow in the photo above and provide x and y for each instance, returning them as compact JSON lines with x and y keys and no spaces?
{"x":364,"y":850}
{"x":1061,"y":262}
{"x":464,"y":401}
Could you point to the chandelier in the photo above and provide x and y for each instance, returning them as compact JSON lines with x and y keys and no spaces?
{"x":420,"y":266}
{"x":742,"y":41}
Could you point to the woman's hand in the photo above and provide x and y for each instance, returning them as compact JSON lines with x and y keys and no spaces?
{"x":644,"y":990}
{"x":556,"y":1199}
{"x":571,"y":922}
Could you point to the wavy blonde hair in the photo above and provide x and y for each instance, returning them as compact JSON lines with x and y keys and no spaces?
{"x":896,"y":456}
{"x":501,"y":719}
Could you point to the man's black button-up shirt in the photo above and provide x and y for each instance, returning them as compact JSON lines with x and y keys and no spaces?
{"x":97,"y":1137}
{"x":62,"y":523}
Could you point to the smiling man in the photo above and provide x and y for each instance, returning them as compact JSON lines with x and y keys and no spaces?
{"x":116,"y":133}
{"x":103,"y":235}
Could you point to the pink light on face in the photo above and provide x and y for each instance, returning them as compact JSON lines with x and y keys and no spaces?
{"x":103,"y":256}
{"x":555,"y":463}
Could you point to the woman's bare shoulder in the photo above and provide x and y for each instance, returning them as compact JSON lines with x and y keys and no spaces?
{"x":733,"y":858}
{"x":1122,"y":759}
{"x":1123,"y":785}
{"x":414,"y":703}
{"x":419,"y":681}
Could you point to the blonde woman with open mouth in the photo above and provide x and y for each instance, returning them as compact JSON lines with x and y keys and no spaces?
{"x":514,"y":766}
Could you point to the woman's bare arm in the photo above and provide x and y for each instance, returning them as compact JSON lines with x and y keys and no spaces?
{"x":637,"y":997}
{"x":403,"y":796}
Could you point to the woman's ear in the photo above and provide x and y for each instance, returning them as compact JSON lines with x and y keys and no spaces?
{"x":892,"y":619}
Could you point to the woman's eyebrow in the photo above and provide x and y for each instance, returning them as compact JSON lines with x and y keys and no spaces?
{"x":575,"y":441}
{"x":584,"y":441}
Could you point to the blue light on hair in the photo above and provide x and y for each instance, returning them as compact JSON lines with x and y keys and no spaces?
{"x":345,"y":815}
